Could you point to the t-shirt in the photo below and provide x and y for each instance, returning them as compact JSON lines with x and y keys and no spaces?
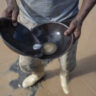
{"x":42,"y":11}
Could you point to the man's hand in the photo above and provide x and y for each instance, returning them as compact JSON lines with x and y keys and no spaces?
{"x":76,"y":24}
{"x":11,"y":11}
{"x":74,"y":28}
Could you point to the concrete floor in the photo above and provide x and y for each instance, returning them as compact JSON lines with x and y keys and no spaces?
{"x":83,"y":78}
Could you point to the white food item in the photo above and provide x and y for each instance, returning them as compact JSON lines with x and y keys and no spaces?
{"x":49,"y":48}
{"x":37,"y":46}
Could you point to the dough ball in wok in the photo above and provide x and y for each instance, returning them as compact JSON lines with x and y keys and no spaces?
{"x":49,"y":48}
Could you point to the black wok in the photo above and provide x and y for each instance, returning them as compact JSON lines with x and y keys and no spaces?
{"x":21,"y":40}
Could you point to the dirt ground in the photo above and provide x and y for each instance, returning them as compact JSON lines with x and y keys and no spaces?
{"x":83,"y":78}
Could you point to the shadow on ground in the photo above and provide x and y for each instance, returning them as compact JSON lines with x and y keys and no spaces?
{"x":84,"y":66}
{"x":15,"y":84}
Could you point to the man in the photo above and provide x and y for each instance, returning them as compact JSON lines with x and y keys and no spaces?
{"x":35,"y":12}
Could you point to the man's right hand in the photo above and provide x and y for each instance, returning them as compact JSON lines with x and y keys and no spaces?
{"x":11,"y":11}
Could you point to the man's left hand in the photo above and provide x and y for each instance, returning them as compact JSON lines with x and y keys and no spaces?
{"x":74,"y":28}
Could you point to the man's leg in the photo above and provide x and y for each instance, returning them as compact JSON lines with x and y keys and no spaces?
{"x":28,"y":64}
{"x":68,"y":63}
{"x":33,"y":66}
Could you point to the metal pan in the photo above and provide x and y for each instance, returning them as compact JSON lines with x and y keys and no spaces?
{"x":53,"y":32}
{"x":21,"y":40}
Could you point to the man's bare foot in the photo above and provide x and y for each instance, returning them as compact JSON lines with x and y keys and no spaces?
{"x":64,"y":81}
{"x":32,"y":79}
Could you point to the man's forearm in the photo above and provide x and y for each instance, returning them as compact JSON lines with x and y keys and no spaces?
{"x":87,"y":5}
